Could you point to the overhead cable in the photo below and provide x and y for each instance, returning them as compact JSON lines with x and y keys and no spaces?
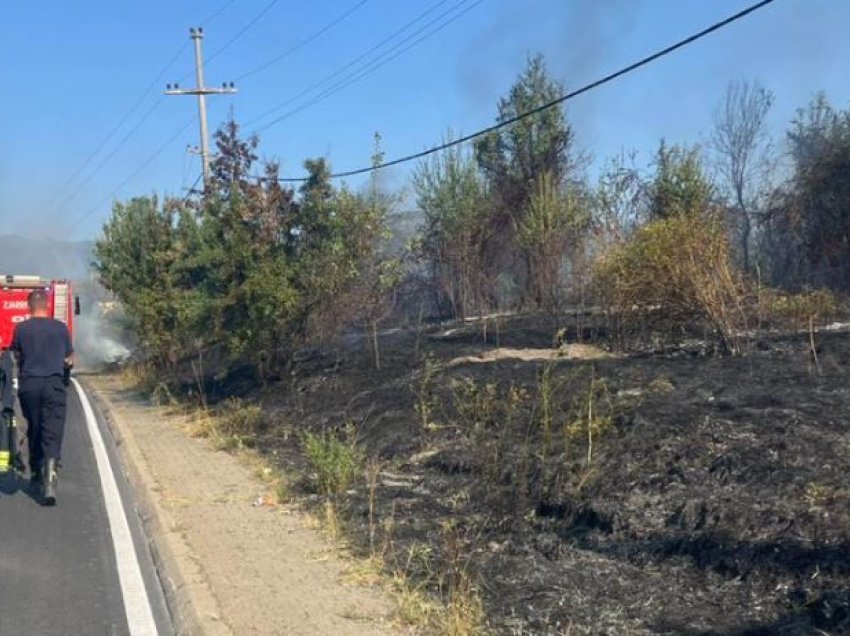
{"x":385,"y":58}
{"x":350,"y":64}
{"x":302,"y":43}
{"x":551,"y":104}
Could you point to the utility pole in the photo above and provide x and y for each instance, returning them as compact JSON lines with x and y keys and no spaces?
{"x":201,"y":90}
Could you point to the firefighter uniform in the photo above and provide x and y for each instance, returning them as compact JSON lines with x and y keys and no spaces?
{"x":43,"y":345}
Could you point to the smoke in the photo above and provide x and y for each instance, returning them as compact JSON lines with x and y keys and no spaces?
{"x":97,"y":336}
{"x":580,"y":41}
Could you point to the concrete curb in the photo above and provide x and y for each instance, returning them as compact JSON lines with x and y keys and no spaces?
{"x":190,"y":600}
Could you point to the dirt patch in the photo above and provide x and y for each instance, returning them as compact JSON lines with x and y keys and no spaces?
{"x":241,"y":567}
{"x":566,"y":352}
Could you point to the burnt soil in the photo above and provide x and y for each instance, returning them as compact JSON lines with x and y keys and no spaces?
{"x":715,"y":501}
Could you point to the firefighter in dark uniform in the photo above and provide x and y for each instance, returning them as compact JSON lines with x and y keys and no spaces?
{"x":44,"y":352}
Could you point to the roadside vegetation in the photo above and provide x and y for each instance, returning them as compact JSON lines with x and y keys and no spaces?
{"x":312,"y":326}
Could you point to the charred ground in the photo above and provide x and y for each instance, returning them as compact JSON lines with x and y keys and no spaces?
{"x":714,"y":498}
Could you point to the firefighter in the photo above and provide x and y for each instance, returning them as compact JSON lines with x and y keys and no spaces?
{"x":44,"y":352}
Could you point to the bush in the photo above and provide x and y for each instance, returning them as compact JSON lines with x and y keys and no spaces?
{"x":335,"y":462}
{"x":679,"y":267}
{"x":797,"y":310}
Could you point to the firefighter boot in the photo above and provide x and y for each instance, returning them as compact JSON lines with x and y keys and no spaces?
{"x":50,"y":481}
{"x":35,"y":473}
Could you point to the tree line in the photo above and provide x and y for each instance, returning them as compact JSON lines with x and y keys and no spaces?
{"x":255,"y":269}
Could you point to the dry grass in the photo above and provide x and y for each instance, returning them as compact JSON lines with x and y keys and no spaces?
{"x":461,"y":615}
{"x":232,"y":426}
{"x":796,"y":311}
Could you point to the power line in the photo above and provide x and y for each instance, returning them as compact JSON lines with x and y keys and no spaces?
{"x":115,"y":150}
{"x":235,"y":38}
{"x":374,"y":65}
{"x":132,"y":175}
{"x":192,"y":189}
{"x":130,"y":112}
{"x":584,"y":89}
{"x":217,"y":12}
{"x":353,"y":62}
{"x":153,"y":84}
{"x":304,"y":42}
{"x":300,"y":45}
{"x":121,"y":122}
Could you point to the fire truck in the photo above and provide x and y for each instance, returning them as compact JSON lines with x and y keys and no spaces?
{"x":14,"y":309}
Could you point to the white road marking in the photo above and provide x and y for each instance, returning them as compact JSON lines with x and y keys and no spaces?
{"x":137,"y":605}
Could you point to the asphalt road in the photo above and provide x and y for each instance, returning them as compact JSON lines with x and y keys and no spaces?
{"x":75,"y":569}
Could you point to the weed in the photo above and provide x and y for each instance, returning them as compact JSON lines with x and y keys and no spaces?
{"x":161,"y":395}
{"x":476,"y":404}
{"x":335,"y":462}
{"x":818,"y":494}
{"x":661,"y":385}
{"x":373,"y":469}
{"x":232,"y":427}
{"x":464,"y":612}
{"x":591,"y":415}
{"x":545,"y":391}
{"x":797,"y":311}
{"x":413,"y":603}
{"x":283,"y":491}
{"x":238,"y":418}
{"x":425,"y":400}
{"x":499,"y":447}
{"x":139,"y":375}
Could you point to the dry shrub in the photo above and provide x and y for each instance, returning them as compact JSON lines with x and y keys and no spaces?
{"x":679,"y":268}
{"x":232,"y":426}
{"x":797,"y":311}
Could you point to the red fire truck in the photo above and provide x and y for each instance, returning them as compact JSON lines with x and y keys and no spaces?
{"x":14,"y":292}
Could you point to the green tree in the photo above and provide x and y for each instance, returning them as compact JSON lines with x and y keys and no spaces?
{"x":138,"y":258}
{"x":250,"y":271}
{"x":246,"y":279}
{"x":457,"y":227}
{"x":379,"y":272}
{"x":809,"y":225}
{"x":680,"y":186}
{"x":515,"y":157}
{"x":556,"y":219}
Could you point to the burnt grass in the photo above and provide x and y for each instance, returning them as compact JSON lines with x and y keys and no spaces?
{"x":715,"y":501}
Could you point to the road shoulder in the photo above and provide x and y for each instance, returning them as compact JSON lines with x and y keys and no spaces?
{"x":228,"y":565}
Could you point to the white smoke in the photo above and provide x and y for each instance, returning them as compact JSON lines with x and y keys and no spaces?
{"x":98,"y":340}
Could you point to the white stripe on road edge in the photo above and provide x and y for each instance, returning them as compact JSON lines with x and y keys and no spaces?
{"x":136,"y":603}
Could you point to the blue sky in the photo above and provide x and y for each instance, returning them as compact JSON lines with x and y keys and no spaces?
{"x":71,"y":70}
